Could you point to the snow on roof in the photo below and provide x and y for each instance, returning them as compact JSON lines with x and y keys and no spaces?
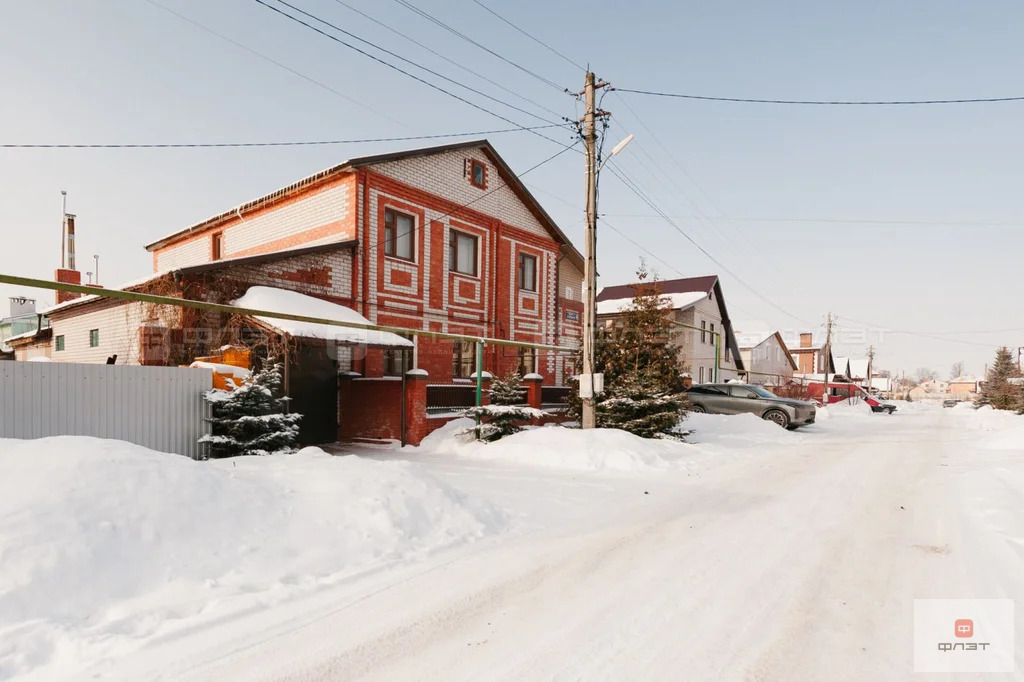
{"x":673,"y":301}
{"x":271,"y":298}
{"x":23,"y":335}
{"x":859,"y":367}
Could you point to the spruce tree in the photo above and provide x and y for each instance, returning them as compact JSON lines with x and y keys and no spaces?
{"x":251,"y":420}
{"x":997,"y":390}
{"x":507,"y":411}
{"x":641,"y":366}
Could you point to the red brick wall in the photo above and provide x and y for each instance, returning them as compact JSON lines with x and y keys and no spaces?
{"x":370,"y":408}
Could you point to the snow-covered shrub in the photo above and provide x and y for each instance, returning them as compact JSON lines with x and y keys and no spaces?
{"x":251,"y":420}
{"x":507,"y":410}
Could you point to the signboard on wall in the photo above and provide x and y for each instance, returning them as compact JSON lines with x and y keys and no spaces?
{"x":572,"y":315}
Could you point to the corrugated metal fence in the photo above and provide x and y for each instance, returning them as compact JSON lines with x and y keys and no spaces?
{"x":161,"y":408}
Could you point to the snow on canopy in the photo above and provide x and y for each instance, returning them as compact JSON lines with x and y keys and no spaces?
{"x":294,"y":303}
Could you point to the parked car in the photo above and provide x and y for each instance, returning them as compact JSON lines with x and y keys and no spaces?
{"x":879,"y":405}
{"x":739,"y":398}
{"x":951,"y":402}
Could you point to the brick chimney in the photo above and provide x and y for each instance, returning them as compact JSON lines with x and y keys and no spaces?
{"x":806,"y":340}
{"x":66,"y":276}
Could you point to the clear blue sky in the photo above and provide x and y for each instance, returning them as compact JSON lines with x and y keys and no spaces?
{"x":126,"y":71}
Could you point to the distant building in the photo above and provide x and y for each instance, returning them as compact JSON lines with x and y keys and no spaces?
{"x":811,"y":358}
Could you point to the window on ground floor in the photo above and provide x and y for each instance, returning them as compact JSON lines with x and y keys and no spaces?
{"x":700,"y":375}
{"x":94,"y":338}
{"x":398,"y":361}
{"x":463,"y":359}
{"x":59,"y":342}
{"x":527,"y":361}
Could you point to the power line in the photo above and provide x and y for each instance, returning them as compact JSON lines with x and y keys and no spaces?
{"x":531,"y":37}
{"x":396,"y":56}
{"x":975,"y":100}
{"x":435,"y":20}
{"x":451,"y":61}
{"x":276,"y":63}
{"x":633,"y":187}
{"x":287,"y":143}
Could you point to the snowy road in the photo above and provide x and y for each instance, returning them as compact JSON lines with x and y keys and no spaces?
{"x":796,"y":561}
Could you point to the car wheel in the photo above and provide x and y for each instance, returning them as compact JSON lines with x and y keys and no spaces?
{"x":779,"y":417}
{"x":698,"y":409}
{"x":889,"y":410}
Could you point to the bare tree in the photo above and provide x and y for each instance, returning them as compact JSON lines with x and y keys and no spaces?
{"x":958,"y":370}
{"x":924,"y":374}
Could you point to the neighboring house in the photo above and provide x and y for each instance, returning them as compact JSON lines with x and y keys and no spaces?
{"x":21,"y":319}
{"x":813,"y":359}
{"x":964,"y":386}
{"x":841,"y":366}
{"x":442,"y":239}
{"x":31,"y":345}
{"x":768,"y":362}
{"x":703,"y":324}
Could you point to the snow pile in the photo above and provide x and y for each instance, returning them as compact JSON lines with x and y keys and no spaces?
{"x":104,"y":544}
{"x":558,"y":447}
{"x":294,"y":303}
{"x":736,"y":430}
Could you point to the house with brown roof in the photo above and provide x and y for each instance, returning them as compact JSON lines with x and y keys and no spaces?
{"x":767,"y":360}
{"x":704,"y":333}
{"x":812,"y":358}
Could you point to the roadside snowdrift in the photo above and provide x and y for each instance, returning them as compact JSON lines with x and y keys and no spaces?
{"x":103,"y":543}
{"x":558,"y":447}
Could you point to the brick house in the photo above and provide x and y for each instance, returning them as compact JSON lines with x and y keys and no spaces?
{"x":813,"y":359}
{"x":697,"y":305}
{"x":441,"y":239}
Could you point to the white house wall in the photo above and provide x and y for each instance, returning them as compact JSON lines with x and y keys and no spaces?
{"x":118,"y":324}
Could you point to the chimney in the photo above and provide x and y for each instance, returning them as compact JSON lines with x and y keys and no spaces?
{"x":67,"y":276}
{"x":806,"y":339}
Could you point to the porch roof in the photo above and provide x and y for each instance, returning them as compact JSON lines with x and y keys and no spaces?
{"x":284,"y":300}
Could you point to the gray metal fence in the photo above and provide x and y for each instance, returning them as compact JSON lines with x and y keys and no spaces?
{"x":161,"y":408}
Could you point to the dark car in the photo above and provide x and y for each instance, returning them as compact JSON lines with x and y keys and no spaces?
{"x":739,"y":398}
{"x":951,"y":402}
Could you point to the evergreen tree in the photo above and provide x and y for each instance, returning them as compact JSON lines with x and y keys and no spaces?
{"x":641,"y":366}
{"x":997,"y":390}
{"x":251,"y":420}
{"x":507,"y":410}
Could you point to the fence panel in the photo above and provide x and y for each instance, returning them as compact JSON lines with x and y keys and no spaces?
{"x":161,"y":408}
{"x":450,"y":397}
{"x":554,"y":397}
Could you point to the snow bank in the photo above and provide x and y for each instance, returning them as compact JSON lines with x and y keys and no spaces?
{"x":104,"y":544}
{"x":736,"y":430}
{"x":558,"y":447}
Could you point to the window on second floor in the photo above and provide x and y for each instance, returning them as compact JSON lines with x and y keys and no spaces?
{"x":703,"y":331}
{"x":527,"y":272}
{"x":60,"y":342}
{"x":463,"y":359}
{"x":398,"y":234}
{"x":94,"y":338}
{"x":712,"y":330}
{"x":462,"y":253}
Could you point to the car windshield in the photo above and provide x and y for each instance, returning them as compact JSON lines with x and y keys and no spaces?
{"x":763,"y":392}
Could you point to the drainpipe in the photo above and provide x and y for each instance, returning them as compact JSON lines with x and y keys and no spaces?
{"x":404,"y":389}
{"x":479,"y":381}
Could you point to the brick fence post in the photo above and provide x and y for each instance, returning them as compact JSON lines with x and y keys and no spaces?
{"x":416,"y":405}
{"x":534,"y":392}
{"x":485,"y":399}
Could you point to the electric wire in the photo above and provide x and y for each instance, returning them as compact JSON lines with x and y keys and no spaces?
{"x":531,"y":37}
{"x":749,"y":100}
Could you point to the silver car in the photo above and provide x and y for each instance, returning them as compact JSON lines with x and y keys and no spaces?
{"x":739,"y":398}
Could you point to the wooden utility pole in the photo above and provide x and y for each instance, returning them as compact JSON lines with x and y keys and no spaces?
{"x":826,"y":353}
{"x":589,"y":415}
{"x":871,"y":362}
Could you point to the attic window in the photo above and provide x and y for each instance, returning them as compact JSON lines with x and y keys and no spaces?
{"x":477,"y":174}
{"x":217,"y":247}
